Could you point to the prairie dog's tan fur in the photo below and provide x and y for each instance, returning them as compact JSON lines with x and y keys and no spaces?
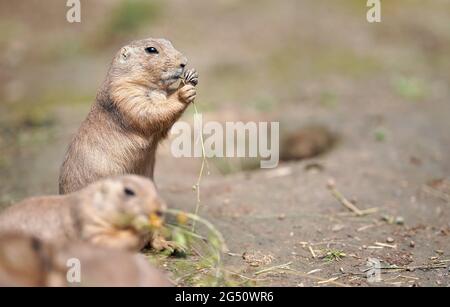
{"x":108,"y":213}
{"x":28,"y":261}
{"x":134,"y":109}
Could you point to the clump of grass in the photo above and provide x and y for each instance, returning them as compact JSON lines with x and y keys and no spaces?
{"x":380,"y":134}
{"x":214,"y":237}
{"x":200,"y":263}
{"x":331,"y":255}
{"x":410,"y":87}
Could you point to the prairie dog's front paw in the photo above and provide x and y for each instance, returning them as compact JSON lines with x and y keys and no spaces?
{"x":191,"y":77}
{"x":187,"y":93}
{"x":159,"y":243}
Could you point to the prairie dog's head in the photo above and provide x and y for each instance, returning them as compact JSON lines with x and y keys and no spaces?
{"x":125,"y":202}
{"x":149,"y":61}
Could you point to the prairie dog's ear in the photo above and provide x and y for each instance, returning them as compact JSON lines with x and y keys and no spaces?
{"x":125,"y":54}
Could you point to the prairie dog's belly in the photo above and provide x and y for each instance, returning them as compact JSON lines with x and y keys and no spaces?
{"x":117,"y":152}
{"x":101,"y":153}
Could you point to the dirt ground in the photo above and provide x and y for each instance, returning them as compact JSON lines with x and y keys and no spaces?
{"x":383,"y":89}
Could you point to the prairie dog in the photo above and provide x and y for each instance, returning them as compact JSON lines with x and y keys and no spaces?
{"x":28,"y":261}
{"x":112,"y":212}
{"x":135,"y":108}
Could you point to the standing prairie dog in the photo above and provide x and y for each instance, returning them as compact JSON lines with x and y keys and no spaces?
{"x":114,"y":212}
{"x":135,"y":108}
{"x":30,"y":262}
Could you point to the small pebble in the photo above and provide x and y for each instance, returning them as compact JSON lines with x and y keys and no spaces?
{"x":337,"y":227}
{"x":412,"y":244}
{"x":399,"y":220}
{"x":390,"y":240}
{"x":331,"y":183}
{"x":440,"y":252}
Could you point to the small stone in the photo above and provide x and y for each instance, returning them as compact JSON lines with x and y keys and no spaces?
{"x":390,"y":240}
{"x":386,"y":218}
{"x":282,"y":216}
{"x":399,"y":220}
{"x":412,"y":244}
{"x":337,"y":227}
{"x":439,"y":252}
{"x":331,"y":183}
{"x":291,"y":234}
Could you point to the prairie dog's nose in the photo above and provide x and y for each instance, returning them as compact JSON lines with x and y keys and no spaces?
{"x":183,"y":62}
{"x":159,"y":206}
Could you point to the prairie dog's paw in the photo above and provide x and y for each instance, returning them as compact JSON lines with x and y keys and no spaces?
{"x":191,"y":77}
{"x":158,"y":243}
{"x":187,"y":93}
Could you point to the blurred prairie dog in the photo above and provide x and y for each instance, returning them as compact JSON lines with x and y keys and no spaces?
{"x":113,"y":212}
{"x":135,"y":108}
{"x":28,"y":261}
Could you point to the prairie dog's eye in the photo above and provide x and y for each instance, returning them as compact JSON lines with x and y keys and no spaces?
{"x":151,"y":50}
{"x":129,"y":192}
